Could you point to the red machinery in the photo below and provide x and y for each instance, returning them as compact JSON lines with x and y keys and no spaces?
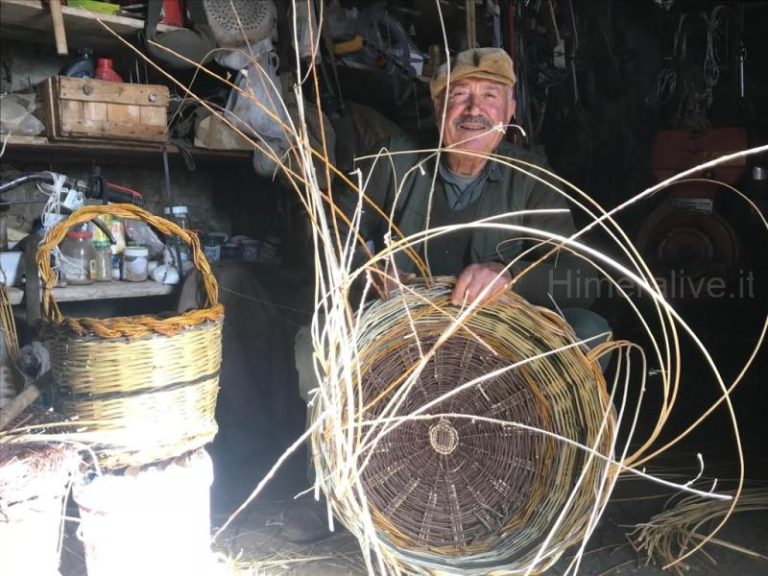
{"x":688,"y":239}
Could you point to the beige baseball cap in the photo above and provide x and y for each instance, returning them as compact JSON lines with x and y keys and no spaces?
{"x":487,"y":63}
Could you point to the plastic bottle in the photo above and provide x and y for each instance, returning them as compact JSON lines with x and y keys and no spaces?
{"x":84,"y":66}
{"x":105,"y":71}
{"x":173,"y":13}
{"x":77,"y":263}
{"x":179,"y":215}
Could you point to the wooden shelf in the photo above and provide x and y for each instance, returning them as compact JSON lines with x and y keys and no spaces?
{"x":40,"y":148}
{"x":31,"y":20}
{"x":101,"y":291}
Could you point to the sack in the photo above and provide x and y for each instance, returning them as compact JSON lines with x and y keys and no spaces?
{"x":195,"y":42}
{"x":258,"y":104}
{"x":259,"y":100}
{"x":16,"y":115}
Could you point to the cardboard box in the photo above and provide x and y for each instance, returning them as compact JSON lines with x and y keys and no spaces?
{"x":95,"y":110}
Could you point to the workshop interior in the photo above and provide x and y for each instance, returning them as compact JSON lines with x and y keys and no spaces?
{"x":160,"y":265}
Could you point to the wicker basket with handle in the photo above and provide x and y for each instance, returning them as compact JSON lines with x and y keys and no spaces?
{"x":141,"y":388}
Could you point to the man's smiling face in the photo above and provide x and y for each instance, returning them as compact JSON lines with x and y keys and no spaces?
{"x":474,"y":107}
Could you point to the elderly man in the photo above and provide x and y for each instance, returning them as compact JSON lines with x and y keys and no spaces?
{"x":473,"y":106}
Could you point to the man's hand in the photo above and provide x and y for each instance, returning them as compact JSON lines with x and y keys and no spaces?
{"x":390,"y":276}
{"x":474,"y":279}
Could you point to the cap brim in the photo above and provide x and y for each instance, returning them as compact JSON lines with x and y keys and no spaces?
{"x":437,"y":86}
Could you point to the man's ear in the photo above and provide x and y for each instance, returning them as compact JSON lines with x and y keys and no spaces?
{"x":438,"y":104}
{"x":512,"y":104}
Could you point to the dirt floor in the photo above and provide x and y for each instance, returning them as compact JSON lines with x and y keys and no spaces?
{"x":742,"y":547}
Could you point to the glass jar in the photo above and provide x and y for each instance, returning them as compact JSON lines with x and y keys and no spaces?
{"x":179,"y":249}
{"x":135,"y":262}
{"x":179,"y":214}
{"x":103,"y":259}
{"x":76,"y":262}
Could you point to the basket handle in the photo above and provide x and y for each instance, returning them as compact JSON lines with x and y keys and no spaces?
{"x":87,"y":213}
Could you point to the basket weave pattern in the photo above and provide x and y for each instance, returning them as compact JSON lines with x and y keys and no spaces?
{"x":456,"y":493}
{"x":142,"y":388}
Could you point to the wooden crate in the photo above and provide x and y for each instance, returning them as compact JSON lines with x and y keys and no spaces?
{"x":95,"y":110}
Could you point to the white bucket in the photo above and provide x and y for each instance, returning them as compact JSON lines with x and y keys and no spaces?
{"x":155,"y":521}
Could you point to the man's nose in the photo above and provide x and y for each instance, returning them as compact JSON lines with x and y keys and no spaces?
{"x":473,"y":103}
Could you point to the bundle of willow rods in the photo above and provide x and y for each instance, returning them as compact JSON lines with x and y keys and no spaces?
{"x":478,"y":446}
{"x":671,"y":533}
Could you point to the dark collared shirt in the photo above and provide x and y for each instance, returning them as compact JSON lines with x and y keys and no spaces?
{"x":402,"y":186}
{"x":461,"y":191}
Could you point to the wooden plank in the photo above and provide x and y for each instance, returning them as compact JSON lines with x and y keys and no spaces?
{"x":125,"y":115}
{"x":40,"y":144}
{"x":101,"y":291}
{"x":32,"y":285}
{"x":96,"y":111}
{"x":111,"y":130}
{"x":89,"y":90}
{"x":69,"y":111}
{"x":153,"y":116}
{"x":31,"y":21}
{"x":51,"y":104}
{"x":59,"y":32}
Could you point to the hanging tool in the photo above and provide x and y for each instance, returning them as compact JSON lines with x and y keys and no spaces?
{"x":742,"y":84}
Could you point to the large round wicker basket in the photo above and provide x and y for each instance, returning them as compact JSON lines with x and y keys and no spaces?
{"x":499,"y":477}
{"x":141,"y":388}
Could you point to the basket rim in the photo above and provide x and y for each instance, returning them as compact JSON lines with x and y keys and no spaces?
{"x":136,"y":325}
{"x":133,"y":327}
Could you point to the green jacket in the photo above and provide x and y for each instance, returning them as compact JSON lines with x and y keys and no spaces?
{"x":507,"y":190}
